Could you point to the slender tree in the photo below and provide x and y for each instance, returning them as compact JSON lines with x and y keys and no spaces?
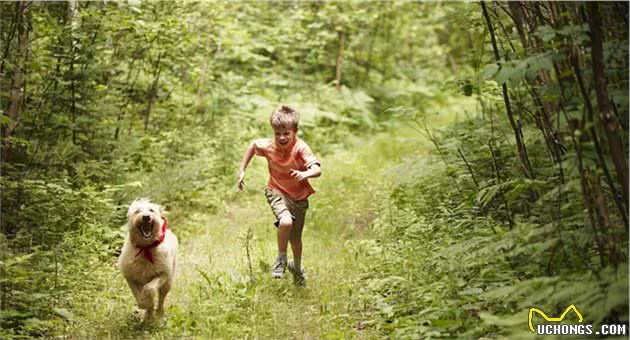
{"x":17,"y":79}
{"x":608,"y":120}
{"x":520,"y":145}
{"x":339,"y":61}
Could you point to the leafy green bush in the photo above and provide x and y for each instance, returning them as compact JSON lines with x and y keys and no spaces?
{"x":64,"y":234}
{"x":461,"y":252}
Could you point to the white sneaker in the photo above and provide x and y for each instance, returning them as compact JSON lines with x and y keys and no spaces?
{"x":277,"y":270}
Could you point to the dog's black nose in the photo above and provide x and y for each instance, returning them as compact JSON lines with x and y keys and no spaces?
{"x":146,"y":218}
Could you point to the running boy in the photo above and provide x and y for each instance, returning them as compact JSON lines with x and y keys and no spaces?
{"x":291,"y":162}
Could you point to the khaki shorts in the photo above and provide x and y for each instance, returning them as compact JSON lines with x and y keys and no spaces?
{"x":282,"y":205}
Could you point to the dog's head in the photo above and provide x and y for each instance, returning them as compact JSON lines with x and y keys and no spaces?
{"x":144,"y":220}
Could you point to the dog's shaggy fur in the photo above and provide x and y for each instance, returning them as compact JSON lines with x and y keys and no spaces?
{"x":147,"y":264}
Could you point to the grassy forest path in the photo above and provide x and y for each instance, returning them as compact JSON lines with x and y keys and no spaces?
{"x":213,"y":295}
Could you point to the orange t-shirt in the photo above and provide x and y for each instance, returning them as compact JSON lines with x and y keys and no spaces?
{"x":297,"y":156}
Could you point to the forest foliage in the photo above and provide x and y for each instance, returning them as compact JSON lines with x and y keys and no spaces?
{"x":526,"y":205}
{"x":523,"y":202}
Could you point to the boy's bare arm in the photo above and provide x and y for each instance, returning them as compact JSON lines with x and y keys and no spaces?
{"x":313,"y":171}
{"x":249,"y":153}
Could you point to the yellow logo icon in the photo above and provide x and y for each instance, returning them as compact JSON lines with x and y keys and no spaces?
{"x":558,"y":319}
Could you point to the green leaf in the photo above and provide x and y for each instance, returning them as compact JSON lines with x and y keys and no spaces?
{"x":445,"y":323}
{"x":205,"y":276}
{"x":511,"y":73}
{"x":489,"y":71}
{"x":471,"y":291}
{"x":63,"y":313}
{"x":546,"y":33}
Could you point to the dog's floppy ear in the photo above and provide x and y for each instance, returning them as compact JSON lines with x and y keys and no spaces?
{"x":162,"y":211}
{"x":132,"y":207}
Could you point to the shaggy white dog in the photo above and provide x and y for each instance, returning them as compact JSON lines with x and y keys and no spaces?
{"x":147,"y":259}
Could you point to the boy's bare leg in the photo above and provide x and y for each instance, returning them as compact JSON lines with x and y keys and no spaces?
{"x":295,"y":266}
{"x":296,"y":247}
{"x":284,"y":232}
{"x":296,"y":242}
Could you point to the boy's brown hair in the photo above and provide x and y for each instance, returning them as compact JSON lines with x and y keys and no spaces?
{"x":284,"y":117}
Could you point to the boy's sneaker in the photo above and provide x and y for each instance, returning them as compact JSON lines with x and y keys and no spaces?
{"x":277,"y":270}
{"x":298,"y":275}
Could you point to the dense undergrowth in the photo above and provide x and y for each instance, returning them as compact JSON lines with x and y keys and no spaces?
{"x":159,"y":100}
{"x":463,"y":250}
{"x":223,"y":288}
{"x":80,"y":228}
{"x":520,"y":204}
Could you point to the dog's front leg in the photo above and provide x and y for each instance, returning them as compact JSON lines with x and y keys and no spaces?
{"x":148,"y":294}
{"x":145,"y":301}
{"x":163,"y":290}
{"x":136,"y":290}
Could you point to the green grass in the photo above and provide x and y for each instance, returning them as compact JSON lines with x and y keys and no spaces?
{"x":214,"y":294}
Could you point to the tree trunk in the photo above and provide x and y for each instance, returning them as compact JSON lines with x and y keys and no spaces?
{"x":544,"y":108}
{"x":72,"y":16}
{"x":123,"y":107}
{"x":368,"y":62}
{"x":15,"y":95}
{"x":153,"y":91}
{"x":9,"y":39}
{"x":607,"y":119}
{"x":522,"y":151}
{"x":621,"y":204}
{"x":339,"y":61}
{"x":585,"y":189}
{"x":517,"y":17}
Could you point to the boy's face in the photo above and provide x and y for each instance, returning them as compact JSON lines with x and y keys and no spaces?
{"x":284,"y":136}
